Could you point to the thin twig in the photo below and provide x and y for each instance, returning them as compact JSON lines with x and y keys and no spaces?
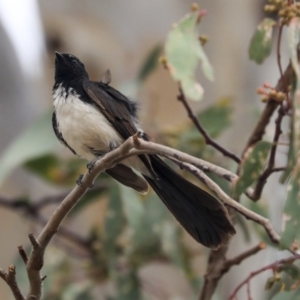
{"x":23,"y":254}
{"x":40,"y":244}
{"x":241,"y":257}
{"x":270,"y":167}
{"x":10,"y":278}
{"x":249,"y":291}
{"x":271,"y":266}
{"x":284,"y":82}
{"x":249,"y":214}
{"x":214,"y":272}
{"x":208,"y":139}
{"x":270,"y":107}
{"x":32,"y":210}
{"x":132,"y":146}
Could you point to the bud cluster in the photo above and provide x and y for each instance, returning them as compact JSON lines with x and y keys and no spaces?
{"x":285,"y":10}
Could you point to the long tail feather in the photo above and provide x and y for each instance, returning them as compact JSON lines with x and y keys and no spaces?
{"x":202,"y":215}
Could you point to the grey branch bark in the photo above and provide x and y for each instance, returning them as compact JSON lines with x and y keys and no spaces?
{"x":132,"y":146}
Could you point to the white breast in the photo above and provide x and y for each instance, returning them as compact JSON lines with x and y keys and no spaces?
{"x":82,"y":125}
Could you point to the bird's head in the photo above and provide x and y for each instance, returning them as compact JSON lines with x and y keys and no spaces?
{"x":68,"y":67}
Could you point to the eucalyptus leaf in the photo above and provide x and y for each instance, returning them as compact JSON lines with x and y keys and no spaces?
{"x":133,"y":208}
{"x":252,"y":166}
{"x":150,"y":63}
{"x":90,"y":197}
{"x":292,"y":211}
{"x":170,"y":236}
{"x":261,"y":208}
{"x":114,"y":222}
{"x":128,"y":286}
{"x":146,"y":239}
{"x":184,"y":52}
{"x":287,"y":295}
{"x":78,"y":291}
{"x":291,"y":156}
{"x":62,"y":172}
{"x":261,"y":42}
{"x":35,"y":141}
{"x":293,"y":36}
{"x":215,"y":119}
{"x":291,"y":270}
{"x":218,"y":117}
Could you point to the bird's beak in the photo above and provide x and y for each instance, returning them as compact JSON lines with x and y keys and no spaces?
{"x":59,"y":56}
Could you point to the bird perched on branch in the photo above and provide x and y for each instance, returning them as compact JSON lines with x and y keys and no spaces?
{"x":92,"y":118}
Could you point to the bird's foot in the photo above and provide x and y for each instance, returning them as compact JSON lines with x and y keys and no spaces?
{"x":140,"y":134}
{"x":79,"y":180}
{"x":112,"y":145}
{"x":80,"y":183}
{"x":90,"y":166}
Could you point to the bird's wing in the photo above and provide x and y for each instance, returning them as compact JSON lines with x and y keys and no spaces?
{"x":118,"y":110}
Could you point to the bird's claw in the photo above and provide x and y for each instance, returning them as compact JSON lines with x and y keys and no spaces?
{"x":80,"y":183}
{"x":90,"y":166}
{"x":112,"y":145}
{"x":79,"y":180}
{"x":140,"y":134}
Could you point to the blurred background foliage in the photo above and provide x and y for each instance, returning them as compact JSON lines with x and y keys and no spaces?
{"x":116,"y":244}
{"x":136,"y":229}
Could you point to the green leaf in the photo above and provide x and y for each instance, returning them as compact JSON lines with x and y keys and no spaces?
{"x":150,"y":63}
{"x":90,"y":197}
{"x":63,"y":172}
{"x":188,"y":139}
{"x":243,"y":224}
{"x":252,"y":166}
{"x":222,"y":112}
{"x":290,"y":295}
{"x":293,"y":35}
{"x":184,"y":51}
{"x":35,"y":141}
{"x":78,"y":291}
{"x":292,"y":210}
{"x":261,"y":208}
{"x":261,"y":42}
{"x":133,"y":207}
{"x":128,"y":286}
{"x":292,"y":270}
{"x":114,"y":222}
{"x":270,"y":283}
{"x":291,"y":156}
{"x":146,"y":240}
{"x":170,"y":236}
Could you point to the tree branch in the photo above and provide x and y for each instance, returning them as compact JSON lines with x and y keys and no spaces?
{"x":208,"y":139}
{"x":249,"y":214}
{"x":270,"y":167}
{"x":32,"y":210}
{"x":10,"y":278}
{"x":270,"y":107}
{"x":218,"y":265}
{"x":241,"y":257}
{"x":255,"y":273}
{"x":132,"y":146}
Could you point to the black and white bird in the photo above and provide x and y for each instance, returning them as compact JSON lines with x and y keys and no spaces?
{"x":91,"y":118}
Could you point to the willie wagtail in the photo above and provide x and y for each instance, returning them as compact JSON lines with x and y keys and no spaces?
{"x":91,"y":118}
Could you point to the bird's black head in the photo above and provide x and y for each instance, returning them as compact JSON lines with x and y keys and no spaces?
{"x":68,"y":68}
